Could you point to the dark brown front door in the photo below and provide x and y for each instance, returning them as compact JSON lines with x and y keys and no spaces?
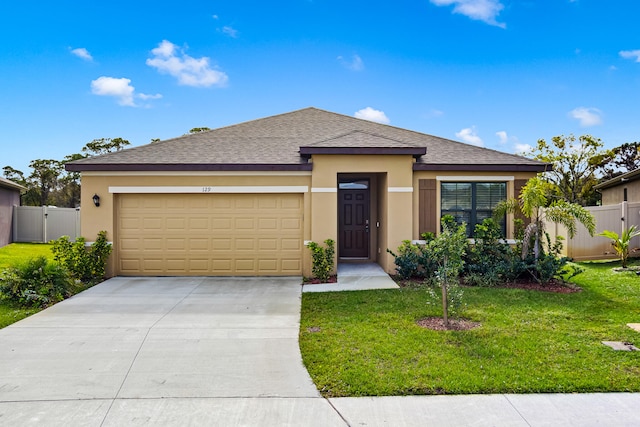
{"x":354,"y":220}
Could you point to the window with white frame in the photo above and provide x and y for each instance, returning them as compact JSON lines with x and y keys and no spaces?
{"x":471,"y":202}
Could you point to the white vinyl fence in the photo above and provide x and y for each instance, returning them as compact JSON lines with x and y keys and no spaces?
{"x":611,"y":217}
{"x":43,"y":224}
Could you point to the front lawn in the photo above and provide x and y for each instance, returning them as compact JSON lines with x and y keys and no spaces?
{"x":17,"y":253}
{"x":11,"y":255}
{"x":367,"y":343}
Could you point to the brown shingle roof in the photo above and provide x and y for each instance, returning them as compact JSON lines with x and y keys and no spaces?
{"x":274,"y":143}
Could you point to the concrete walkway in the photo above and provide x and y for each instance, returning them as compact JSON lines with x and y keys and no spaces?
{"x":221,"y":352}
{"x":356,"y":277}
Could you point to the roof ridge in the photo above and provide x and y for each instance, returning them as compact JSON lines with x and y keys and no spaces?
{"x":342,"y":135}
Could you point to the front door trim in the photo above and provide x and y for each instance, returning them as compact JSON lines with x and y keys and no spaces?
{"x":354,"y":217}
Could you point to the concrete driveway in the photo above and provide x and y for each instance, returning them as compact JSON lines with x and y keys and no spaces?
{"x":163,"y":351}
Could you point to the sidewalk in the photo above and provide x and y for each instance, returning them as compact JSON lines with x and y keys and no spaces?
{"x":508,"y":410}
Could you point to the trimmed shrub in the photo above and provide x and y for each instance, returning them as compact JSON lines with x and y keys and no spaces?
{"x":322,"y":259}
{"x":37,"y":283}
{"x":86,"y":264}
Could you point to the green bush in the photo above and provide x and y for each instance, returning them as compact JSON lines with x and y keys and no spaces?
{"x":86,"y":264}
{"x":407,"y":260}
{"x":490,"y":259}
{"x":322,"y":259}
{"x":37,"y":283}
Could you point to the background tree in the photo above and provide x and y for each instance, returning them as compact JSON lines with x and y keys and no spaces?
{"x":49,"y":183}
{"x":14,"y":175}
{"x":575,"y":162}
{"x":69,"y":191}
{"x":622,"y":159}
{"x":198,"y":130}
{"x":104,"y":145}
{"x":44,"y":178}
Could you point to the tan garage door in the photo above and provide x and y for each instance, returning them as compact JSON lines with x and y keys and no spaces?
{"x":209,"y":234}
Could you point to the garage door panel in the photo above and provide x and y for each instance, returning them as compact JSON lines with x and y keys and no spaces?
{"x":291,"y":265}
{"x":152,"y":244}
{"x":245,"y":265}
{"x":221,"y":224}
{"x":209,"y":234}
{"x":199,"y":245}
{"x":245,"y":224}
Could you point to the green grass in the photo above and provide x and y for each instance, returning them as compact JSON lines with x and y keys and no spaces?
{"x":13,"y":254}
{"x":529,"y":341}
{"x":17,"y":253}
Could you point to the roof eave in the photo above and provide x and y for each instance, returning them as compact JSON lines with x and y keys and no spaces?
{"x":629,"y":176}
{"x":308,"y":151}
{"x":163,"y":167}
{"x":481,"y":168}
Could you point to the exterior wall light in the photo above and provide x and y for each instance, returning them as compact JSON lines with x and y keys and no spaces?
{"x":96,"y":200}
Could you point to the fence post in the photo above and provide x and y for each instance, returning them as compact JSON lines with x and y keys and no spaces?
{"x":44,"y":224}
{"x":624,"y":212}
{"x":77,"y":224}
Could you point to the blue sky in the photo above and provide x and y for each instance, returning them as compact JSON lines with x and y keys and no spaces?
{"x":496,"y":73}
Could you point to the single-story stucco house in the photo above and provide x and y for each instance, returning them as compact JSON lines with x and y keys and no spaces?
{"x":623,"y":188}
{"x":9,"y":197}
{"x":244,"y":199}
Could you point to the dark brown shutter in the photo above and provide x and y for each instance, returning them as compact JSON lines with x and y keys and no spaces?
{"x":517,"y":187}
{"x":428,"y":211}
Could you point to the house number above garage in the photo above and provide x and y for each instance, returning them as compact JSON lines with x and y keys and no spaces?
{"x":210,"y":189}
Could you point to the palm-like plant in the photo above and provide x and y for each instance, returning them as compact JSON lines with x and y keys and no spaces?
{"x":621,"y":243}
{"x":533,"y":204}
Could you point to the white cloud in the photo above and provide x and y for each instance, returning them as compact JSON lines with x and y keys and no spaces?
{"x":120,"y":89}
{"x":146,"y":97}
{"x":216,"y":17}
{"x":470,"y":136}
{"x":355,"y":64}
{"x":504,"y":138}
{"x":587,"y":116}
{"x":479,"y":10}
{"x":372,"y":115}
{"x":522,"y":148}
{"x":82,"y":53}
{"x":435,"y":113}
{"x":231,"y":32}
{"x":189,"y":71}
{"x":631,"y":54}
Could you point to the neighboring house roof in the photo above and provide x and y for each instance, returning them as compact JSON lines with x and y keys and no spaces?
{"x":6,"y":183}
{"x":629,"y":176}
{"x":286,"y":141}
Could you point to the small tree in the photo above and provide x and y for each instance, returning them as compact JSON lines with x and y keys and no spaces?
{"x":448,"y":250}
{"x":621,"y":243}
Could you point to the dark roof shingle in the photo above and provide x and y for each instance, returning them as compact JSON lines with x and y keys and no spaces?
{"x":274,"y":143}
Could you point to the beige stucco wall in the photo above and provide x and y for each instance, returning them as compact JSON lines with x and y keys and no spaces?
{"x":615,"y":195}
{"x":394,"y":179}
{"x":394,"y":196}
{"x":464,"y":176}
{"x":95,"y":219}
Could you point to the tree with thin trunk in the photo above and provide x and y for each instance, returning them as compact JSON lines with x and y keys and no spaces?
{"x":448,"y":249}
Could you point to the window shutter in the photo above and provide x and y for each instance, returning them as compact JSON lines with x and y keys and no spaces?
{"x":517,"y":188}
{"x":428,"y":210}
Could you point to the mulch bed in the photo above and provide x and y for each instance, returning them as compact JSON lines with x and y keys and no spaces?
{"x":556,"y":286}
{"x":314,"y":281}
{"x":437,"y":324}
